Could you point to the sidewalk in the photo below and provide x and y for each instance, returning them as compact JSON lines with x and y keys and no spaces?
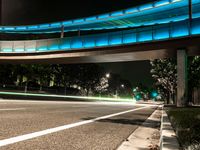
{"x":146,"y":136}
{"x":150,"y":136}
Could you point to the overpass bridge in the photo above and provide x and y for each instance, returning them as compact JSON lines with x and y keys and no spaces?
{"x":165,"y":28}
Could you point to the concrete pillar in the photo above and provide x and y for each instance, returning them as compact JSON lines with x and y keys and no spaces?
{"x":181,"y":78}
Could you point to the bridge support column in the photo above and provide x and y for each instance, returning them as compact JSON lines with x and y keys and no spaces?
{"x":182,"y":78}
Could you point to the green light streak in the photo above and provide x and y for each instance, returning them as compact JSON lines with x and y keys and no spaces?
{"x":66,"y":96}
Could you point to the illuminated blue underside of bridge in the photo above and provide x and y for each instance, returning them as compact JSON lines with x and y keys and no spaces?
{"x":159,"y":12}
{"x":146,"y":34}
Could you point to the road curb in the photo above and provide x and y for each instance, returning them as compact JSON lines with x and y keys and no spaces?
{"x":168,"y":140}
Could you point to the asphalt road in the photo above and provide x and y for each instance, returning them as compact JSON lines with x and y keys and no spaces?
{"x":19,"y":118}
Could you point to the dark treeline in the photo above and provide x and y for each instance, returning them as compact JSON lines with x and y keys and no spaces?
{"x":83,"y":79}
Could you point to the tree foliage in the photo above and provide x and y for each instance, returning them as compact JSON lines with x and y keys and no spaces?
{"x":164,"y":71}
{"x":87,"y":78}
{"x":194,"y":72}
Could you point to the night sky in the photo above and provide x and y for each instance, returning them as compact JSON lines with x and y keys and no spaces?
{"x":18,"y":12}
{"x":41,"y":11}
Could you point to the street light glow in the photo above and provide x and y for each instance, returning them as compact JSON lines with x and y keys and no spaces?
{"x":108,"y":75}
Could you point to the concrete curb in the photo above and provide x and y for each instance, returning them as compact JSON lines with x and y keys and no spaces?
{"x":141,"y":137}
{"x":168,"y":140}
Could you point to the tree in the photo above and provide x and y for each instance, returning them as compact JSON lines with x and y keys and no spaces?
{"x":119,"y":86}
{"x":43,"y":74}
{"x":56,"y":70}
{"x":89,"y":77}
{"x":114,"y":84}
{"x":193,"y":75}
{"x":7,"y":74}
{"x":102,"y":86}
{"x":164,"y":71}
{"x":69,"y":75}
{"x":85,"y":76}
{"x":21,"y":71}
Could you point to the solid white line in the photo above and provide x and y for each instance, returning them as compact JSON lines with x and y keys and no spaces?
{"x":10,"y":109}
{"x":57,"y":129}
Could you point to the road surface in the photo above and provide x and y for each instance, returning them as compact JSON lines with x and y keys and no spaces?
{"x":55,"y":125}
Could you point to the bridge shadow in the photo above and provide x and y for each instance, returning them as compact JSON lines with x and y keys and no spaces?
{"x":122,"y":121}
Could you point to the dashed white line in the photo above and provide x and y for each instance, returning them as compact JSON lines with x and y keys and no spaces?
{"x":57,"y":129}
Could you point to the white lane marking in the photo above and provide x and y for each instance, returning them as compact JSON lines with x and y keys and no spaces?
{"x":12,"y":109}
{"x":57,"y":129}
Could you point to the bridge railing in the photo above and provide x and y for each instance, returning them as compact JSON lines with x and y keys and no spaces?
{"x":139,"y":35}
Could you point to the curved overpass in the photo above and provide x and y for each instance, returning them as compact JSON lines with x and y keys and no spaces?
{"x":170,"y":31}
{"x":159,"y":12}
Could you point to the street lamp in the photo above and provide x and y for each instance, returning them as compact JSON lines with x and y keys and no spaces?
{"x":122,"y":86}
{"x":108,"y":75}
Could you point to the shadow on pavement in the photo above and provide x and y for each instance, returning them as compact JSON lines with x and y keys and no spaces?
{"x":149,"y":123}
